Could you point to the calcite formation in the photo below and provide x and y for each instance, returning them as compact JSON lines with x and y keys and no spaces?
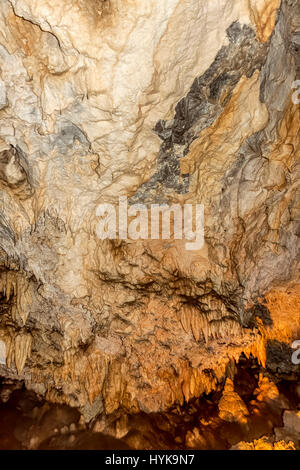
{"x":164,"y":102}
{"x":264,"y":444}
{"x":231,"y":406}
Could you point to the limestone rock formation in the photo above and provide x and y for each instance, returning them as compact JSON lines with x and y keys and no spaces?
{"x":165,"y":102}
{"x":268,"y":392}
{"x":291,"y":427}
{"x":231,"y":406}
{"x":264,"y":444}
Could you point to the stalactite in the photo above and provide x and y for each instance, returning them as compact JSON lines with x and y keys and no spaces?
{"x":22,"y":350}
{"x":212,"y":325}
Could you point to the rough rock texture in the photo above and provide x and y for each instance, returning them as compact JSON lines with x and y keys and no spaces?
{"x":166,"y":102}
{"x":264,"y":444}
{"x":29,"y":422}
{"x":231,"y":406}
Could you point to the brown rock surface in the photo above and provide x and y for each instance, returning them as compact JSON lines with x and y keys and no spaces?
{"x":165,"y":102}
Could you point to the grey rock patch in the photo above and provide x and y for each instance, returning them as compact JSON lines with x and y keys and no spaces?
{"x":90,"y":411}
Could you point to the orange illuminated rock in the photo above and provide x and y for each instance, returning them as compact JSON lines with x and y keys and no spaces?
{"x":231,"y":406}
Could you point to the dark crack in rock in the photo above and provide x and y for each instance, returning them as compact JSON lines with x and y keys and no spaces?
{"x":200,"y":108}
{"x":277,"y":77}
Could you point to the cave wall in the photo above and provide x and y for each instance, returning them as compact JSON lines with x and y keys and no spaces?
{"x":165,"y":102}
